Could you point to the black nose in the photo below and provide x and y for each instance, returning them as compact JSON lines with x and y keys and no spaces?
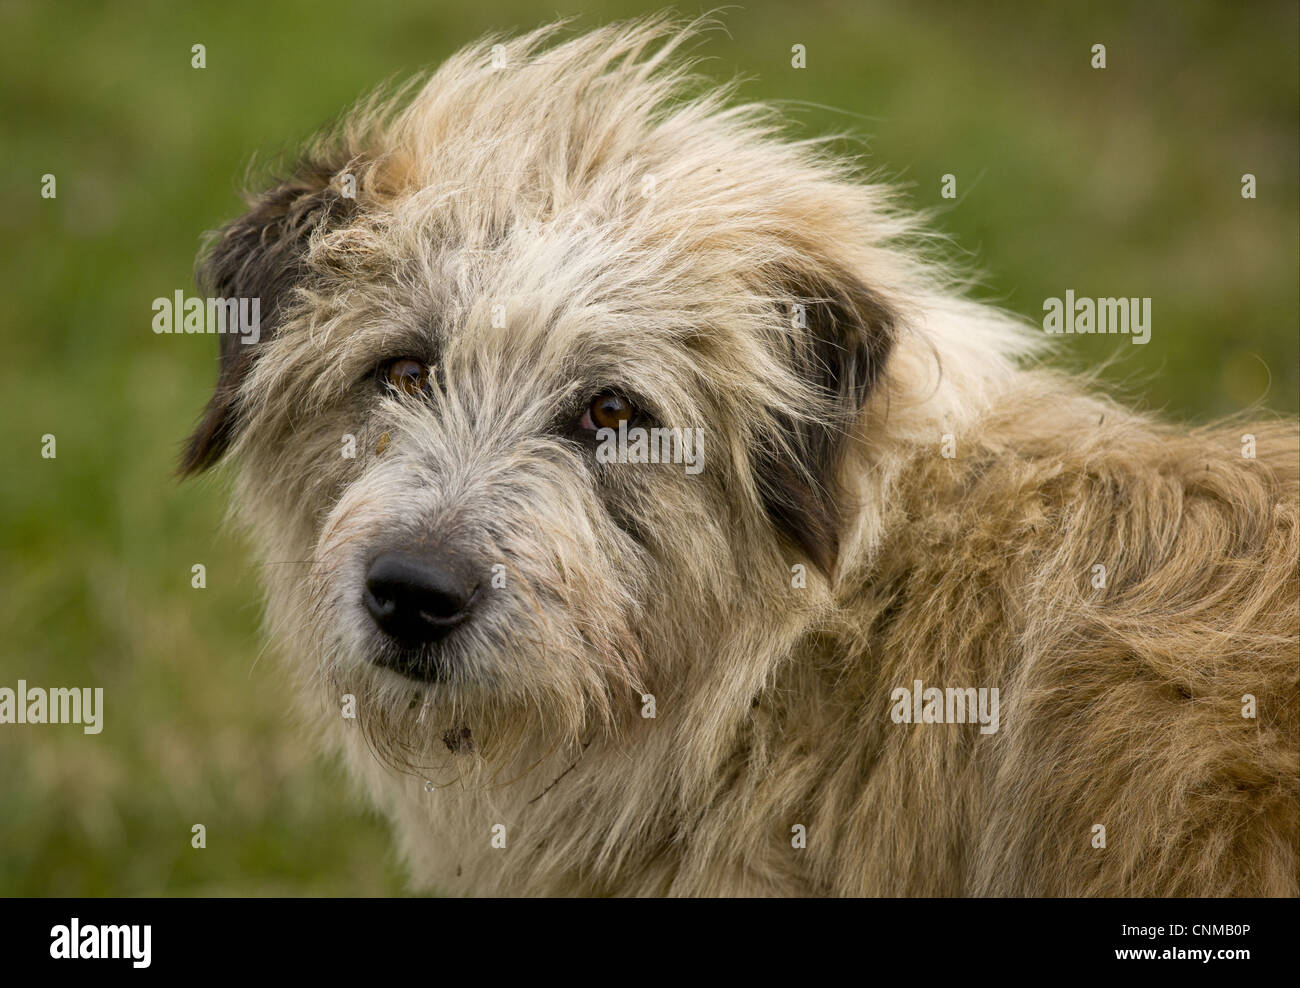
{"x":417,"y":599}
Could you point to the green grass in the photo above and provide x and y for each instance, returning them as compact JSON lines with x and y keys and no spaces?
{"x":1123,"y":181}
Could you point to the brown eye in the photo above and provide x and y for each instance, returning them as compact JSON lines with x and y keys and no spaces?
{"x":607,"y":411}
{"x":408,"y":376}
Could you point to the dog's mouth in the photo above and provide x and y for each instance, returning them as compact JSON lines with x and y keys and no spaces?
{"x":420,"y":665}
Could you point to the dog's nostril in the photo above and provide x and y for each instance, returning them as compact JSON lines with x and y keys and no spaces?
{"x":380,"y":606}
{"x":417,"y":599}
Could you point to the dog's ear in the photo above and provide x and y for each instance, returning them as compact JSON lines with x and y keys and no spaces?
{"x":839,"y":338}
{"x":260,"y":255}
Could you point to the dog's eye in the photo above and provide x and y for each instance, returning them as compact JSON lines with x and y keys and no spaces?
{"x":406,"y":375}
{"x":606,"y":411}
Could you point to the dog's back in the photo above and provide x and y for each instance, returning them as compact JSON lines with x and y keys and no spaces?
{"x":1131,"y":591}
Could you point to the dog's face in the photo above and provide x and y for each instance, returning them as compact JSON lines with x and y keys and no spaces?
{"x":533,"y":253}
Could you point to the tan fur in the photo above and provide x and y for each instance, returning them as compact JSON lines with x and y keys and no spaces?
{"x":524,"y":186}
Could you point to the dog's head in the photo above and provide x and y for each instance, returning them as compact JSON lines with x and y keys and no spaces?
{"x":461,"y":291}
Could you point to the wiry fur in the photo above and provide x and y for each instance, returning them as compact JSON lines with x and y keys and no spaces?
{"x":522,"y":186}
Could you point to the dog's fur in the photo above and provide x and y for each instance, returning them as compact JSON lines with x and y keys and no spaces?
{"x":524,"y":186}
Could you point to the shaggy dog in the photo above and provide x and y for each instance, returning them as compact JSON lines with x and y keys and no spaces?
{"x":929,"y":620}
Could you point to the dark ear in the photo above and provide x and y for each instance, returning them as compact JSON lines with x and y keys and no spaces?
{"x":840,"y":352}
{"x":260,"y":255}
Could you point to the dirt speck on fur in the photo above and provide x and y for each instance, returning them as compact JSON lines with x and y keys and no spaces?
{"x":458,"y":739}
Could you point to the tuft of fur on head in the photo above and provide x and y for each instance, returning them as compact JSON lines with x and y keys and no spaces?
{"x":539,"y":221}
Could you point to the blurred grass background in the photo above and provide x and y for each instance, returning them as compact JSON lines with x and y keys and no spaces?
{"x":1124,"y":181}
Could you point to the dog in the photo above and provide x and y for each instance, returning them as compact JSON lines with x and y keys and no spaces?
{"x":928,"y":619}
